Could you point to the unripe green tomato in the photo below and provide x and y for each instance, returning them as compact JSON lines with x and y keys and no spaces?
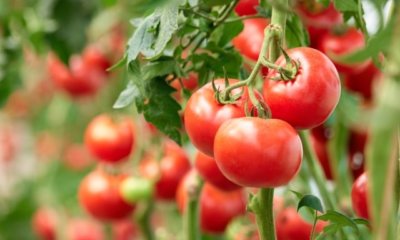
{"x":136,"y":189}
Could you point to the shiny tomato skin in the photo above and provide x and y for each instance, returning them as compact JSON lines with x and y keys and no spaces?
{"x":246,"y":7}
{"x":255,"y":152}
{"x":217,"y":208}
{"x":44,"y":223}
{"x":359,"y":196}
{"x":99,"y":195}
{"x":168,"y":172}
{"x":109,"y":141}
{"x":84,"y":229}
{"x":208,"y":169}
{"x":291,"y":226}
{"x":249,"y":41}
{"x":204,"y":115}
{"x":343,"y":44}
{"x":309,"y":99}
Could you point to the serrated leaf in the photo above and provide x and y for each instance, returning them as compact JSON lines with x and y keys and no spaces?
{"x":310,"y":201}
{"x":159,"y":68}
{"x":339,"y":219}
{"x":346,"y":5}
{"x":127,"y":96}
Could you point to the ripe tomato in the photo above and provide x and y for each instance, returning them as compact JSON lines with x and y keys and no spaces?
{"x":94,"y":58}
{"x":83,"y":229}
{"x":125,"y":230}
{"x":250,"y":40}
{"x":307,"y":100}
{"x":45,"y":223}
{"x":203,"y":110}
{"x":208,"y":169}
{"x":255,"y":152}
{"x":168,"y":172}
{"x":364,"y":81}
{"x":109,"y":141}
{"x":291,"y":226}
{"x":99,"y":194}
{"x":343,"y":44}
{"x":356,"y":144}
{"x":246,"y":7}
{"x":318,"y":20}
{"x":359,"y":196}
{"x":217,"y":208}
{"x":189,"y":83}
{"x":321,"y":149}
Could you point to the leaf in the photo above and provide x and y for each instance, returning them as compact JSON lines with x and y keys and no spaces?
{"x":159,"y":68}
{"x":226,"y":32}
{"x":298,"y":195}
{"x":118,"y":64}
{"x":361,"y":221}
{"x":127,"y":96}
{"x":310,"y":201}
{"x":339,"y":219}
{"x":296,"y":34}
{"x":345,"y":5}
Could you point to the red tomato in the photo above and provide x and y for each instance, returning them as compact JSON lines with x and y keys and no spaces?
{"x":346,"y":43}
{"x":364,"y":81}
{"x":357,"y":142}
{"x":189,"y":83}
{"x":321,"y":149}
{"x":217,"y":208}
{"x":109,"y":141}
{"x":125,"y":230}
{"x":168,"y":172}
{"x":291,"y":226}
{"x":99,"y":195}
{"x":83,"y":229}
{"x":208,"y":169}
{"x":359,"y":196}
{"x":255,"y":152}
{"x":94,"y":58}
{"x":77,"y":157}
{"x":318,"y":20}
{"x":251,"y":46}
{"x":246,"y":7}
{"x":307,"y":100}
{"x":45,"y":223}
{"x":203,"y":110}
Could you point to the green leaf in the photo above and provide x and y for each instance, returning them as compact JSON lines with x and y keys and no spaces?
{"x":118,"y":64}
{"x":346,"y":5}
{"x":226,"y":32}
{"x":159,"y":68}
{"x":296,"y":34}
{"x":338,"y":219}
{"x":298,"y":195}
{"x":310,"y":201}
{"x":127,"y":96}
{"x":361,"y":221}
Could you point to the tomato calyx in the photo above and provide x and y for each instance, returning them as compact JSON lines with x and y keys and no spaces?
{"x":224,"y":96}
{"x":287,"y":72}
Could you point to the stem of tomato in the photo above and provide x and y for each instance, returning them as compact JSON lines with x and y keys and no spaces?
{"x":262,"y":206}
{"x":315,"y":170}
{"x":191,"y":217}
{"x":144,"y":221}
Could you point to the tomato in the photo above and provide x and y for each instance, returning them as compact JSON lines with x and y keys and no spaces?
{"x":94,"y":58}
{"x":337,"y":45}
{"x":83,"y":229}
{"x":217,"y":208}
{"x":8,"y":144}
{"x":291,"y":226}
{"x":110,"y":141}
{"x":318,"y":20}
{"x":125,"y":230}
{"x":189,"y":83}
{"x":359,"y":196}
{"x":246,"y":7}
{"x":364,"y":81}
{"x":168,"y":172}
{"x":311,"y":96}
{"x":202,"y":110}
{"x":45,"y":223}
{"x":356,"y":144}
{"x":208,"y":169}
{"x":248,"y":46}
{"x":77,"y":157}
{"x":99,"y":194}
{"x":255,"y":152}
{"x":321,"y":149}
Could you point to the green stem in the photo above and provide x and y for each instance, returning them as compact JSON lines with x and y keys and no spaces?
{"x":278,"y":19}
{"x":315,"y":170}
{"x":262,"y":206}
{"x":191,"y":217}
{"x":144,"y":221}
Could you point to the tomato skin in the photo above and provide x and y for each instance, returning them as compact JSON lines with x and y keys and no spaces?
{"x":242,"y":156}
{"x":99,"y":194}
{"x":44,"y":223}
{"x":202,"y":109}
{"x":251,"y":46}
{"x":208,"y":169}
{"x":291,"y":226}
{"x":308,"y":100}
{"x":169,"y":171}
{"x":246,"y":7}
{"x":83,"y":229}
{"x":94,"y":58}
{"x":217,"y":208}
{"x":108,"y":141}
{"x":340,"y":45}
{"x":359,"y":196}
